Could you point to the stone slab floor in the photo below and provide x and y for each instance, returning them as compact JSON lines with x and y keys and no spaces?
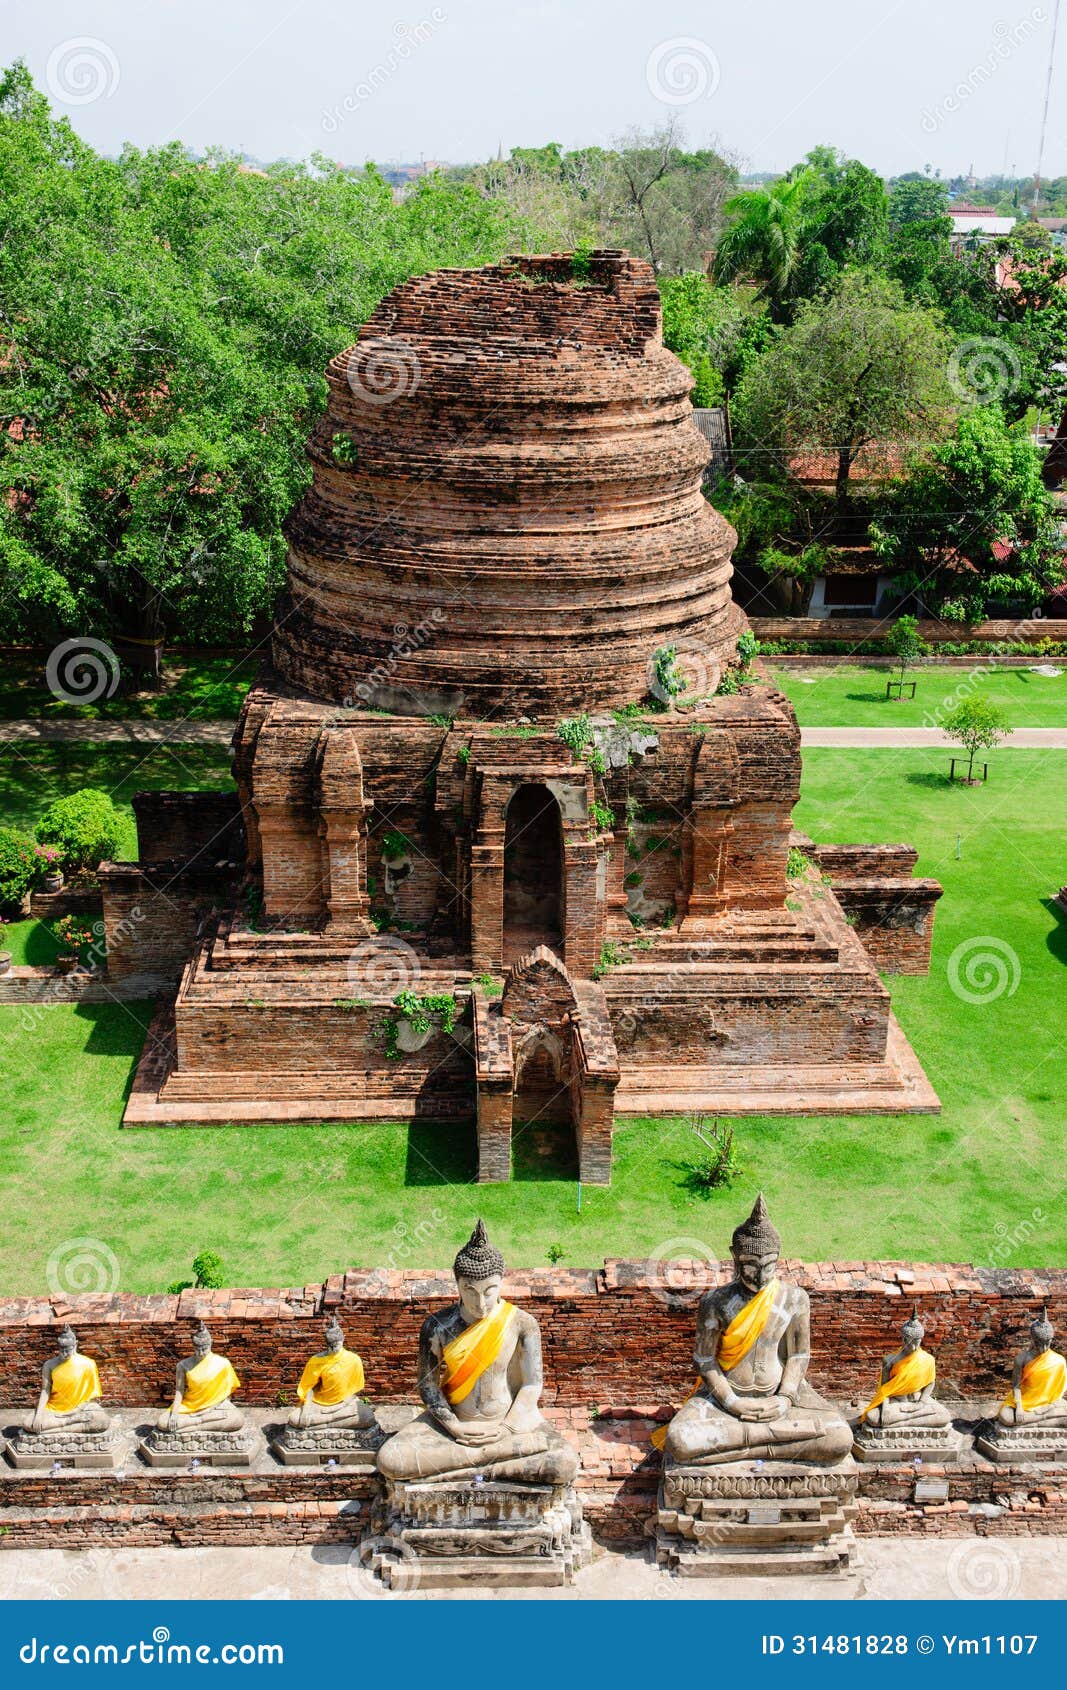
{"x":888,"y":1568}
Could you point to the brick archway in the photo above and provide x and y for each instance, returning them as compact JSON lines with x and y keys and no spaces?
{"x":533,"y":872}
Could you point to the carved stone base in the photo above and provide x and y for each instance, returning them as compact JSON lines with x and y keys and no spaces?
{"x":433,"y":1533}
{"x":735,"y":1517}
{"x":935,"y":1444}
{"x":211,"y":1449}
{"x":317,"y":1446}
{"x":33,"y":1451}
{"x":1022,"y":1443}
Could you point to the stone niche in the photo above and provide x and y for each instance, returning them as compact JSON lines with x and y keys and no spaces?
{"x":452,"y":779}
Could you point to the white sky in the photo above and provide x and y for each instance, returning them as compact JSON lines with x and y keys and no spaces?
{"x":770,"y":80}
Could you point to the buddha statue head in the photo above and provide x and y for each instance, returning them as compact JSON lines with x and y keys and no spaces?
{"x":479,"y":1271}
{"x":756,"y":1247}
{"x":201,"y":1341}
{"x":1042,"y":1332}
{"x":334,"y":1334}
{"x":913,"y":1332}
{"x":67,"y":1343}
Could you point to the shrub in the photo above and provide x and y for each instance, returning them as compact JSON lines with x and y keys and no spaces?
{"x":720,"y":1166}
{"x":796,"y":864}
{"x":208,"y":1271}
{"x":86,"y":826}
{"x":18,"y":865}
{"x":395,"y":846}
{"x":73,"y":933}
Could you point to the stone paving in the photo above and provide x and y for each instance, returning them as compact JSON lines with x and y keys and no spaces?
{"x":886,"y":1569}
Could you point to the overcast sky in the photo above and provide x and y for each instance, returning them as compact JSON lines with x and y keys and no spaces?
{"x":949,"y":83}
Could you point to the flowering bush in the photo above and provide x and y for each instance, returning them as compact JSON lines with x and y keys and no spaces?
{"x":73,"y":933}
{"x":17,"y":866}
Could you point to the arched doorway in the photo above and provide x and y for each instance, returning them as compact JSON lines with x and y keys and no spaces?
{"x":533,"y":872}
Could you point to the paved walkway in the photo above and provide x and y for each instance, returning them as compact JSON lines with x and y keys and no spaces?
{"x":220,"y":733}
{"x":1022,"y":739}
{"x":62,"y":732}
{"x":888,"y":1569}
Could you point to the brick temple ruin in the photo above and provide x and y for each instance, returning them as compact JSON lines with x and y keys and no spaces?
{"x":505,"y":531}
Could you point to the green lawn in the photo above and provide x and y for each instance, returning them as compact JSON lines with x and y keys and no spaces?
{"x":196,"y":689}
{"x":288,"y":1204}
{"x":33,"y":774}
{"x":854,"y":697}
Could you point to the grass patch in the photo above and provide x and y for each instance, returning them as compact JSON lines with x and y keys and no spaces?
{"x":287,"y":1204}
{"x":854,"y":697}
{"x":195,"y":689}
{"x":33,"y":774}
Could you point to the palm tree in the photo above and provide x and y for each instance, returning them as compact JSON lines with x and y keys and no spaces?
{"x":764,"y":243}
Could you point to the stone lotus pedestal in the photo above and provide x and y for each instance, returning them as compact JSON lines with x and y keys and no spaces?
{"x":934,"y":1444}
{"x":744,"y":1517}
{"x":211,"y":1449}
{"x":435,"y":1533}
{"x":1019,"y":1444}
{"x":317,"y":1446}
{"x":37,"y":1451}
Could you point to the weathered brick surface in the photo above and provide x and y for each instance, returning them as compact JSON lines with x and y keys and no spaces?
{"x":187,"y":826}
{"x":541,"y":475}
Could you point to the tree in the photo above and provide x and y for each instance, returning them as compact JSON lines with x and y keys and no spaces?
{"x":906,"y":644}
{"x":763,"y":242}
{"x":973,"y":515}
{"x":859,"y":368}
{"x":85,"y":826}
{"x":978,"y":726}
{"x":703,"y":325}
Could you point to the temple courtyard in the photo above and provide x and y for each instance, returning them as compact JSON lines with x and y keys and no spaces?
{"x":887,"y":1569}
{"x":285,"y":1204}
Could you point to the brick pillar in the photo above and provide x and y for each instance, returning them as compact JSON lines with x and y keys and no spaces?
{"x":580,"y":947}
{"x":494,"y":1131}
{"x":709,"y":850}
{"x":487,"y":907}
{"x":593,"y":1130}
{"x":345,"y":852}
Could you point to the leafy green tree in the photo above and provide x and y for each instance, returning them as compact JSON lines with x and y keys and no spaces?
{"x":977,"y":725}
{"x":763,"y":242}
{"x":703,"y":324}
{"x":860,"y":367}
{"x":976,"y":496}
{"x":85,"y":826}
{"x":906,"y":644}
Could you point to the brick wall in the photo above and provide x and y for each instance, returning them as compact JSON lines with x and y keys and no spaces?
{"x":611,"y":1339}
{"x":184,"y":826}
{"x":153,"y":911}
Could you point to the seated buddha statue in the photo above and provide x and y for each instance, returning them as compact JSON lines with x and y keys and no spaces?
{"x":905,"y":1394}
{"x":480,"y":1378}
{"x":752,"y":1399}
{"x":1038,"y":1392}
{"x":203,"y":1386}
{"x":330,"y":1385}
{"x":70,"y":1392}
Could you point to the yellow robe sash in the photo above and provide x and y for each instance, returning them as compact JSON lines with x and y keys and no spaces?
{"x":1043,"y":1380}
{"x":466,"y":1358}
{"x":211,"y":1382}
{"x":735,"y":1342}
{"x":907,"y":1375}
{"x":331,"y":1379}
{"x":74,"y":1381}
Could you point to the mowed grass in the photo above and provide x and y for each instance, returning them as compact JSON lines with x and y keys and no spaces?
{"x":288,"y":1204}
{"x":854,"y":696}
{"x":195,"y":688}
{"x":32,"y":775}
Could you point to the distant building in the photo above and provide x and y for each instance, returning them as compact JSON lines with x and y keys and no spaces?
{"x":981,"y":221}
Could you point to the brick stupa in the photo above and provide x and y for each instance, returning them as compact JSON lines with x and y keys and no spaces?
{"x":506,"y":531}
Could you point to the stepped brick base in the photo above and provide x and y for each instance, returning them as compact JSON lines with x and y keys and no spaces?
{"x":776,"y":1517}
